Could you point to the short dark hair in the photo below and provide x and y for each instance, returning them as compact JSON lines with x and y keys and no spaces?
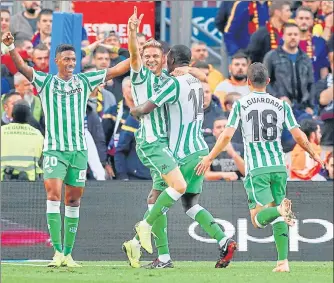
{"x":64,"y":47}
{"x":101,"y":49}
{"x":21,"y":112}
{"x":41,"y":46}
{"x":219,"y":118}
{"x":240,"y":55}
{"x":165,"y":46}
{"x":181,"y":54}
{"x":20,"y":42}
{"x":289,"y":25}
{"x":277,"y":5}
{"x":230,"y":98}
{"x":309,"y":126}
{"x":304,"y":9}
{"x":9,"y":95}
{"x":258,"y":74}
{"x":4,"y":10}
{"x":44,"y":12}
{"x":200,"y":64}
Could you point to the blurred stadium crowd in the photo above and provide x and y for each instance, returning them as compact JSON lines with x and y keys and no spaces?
{"x":253,"y":31}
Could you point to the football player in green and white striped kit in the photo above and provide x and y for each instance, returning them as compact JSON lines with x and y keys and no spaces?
{"x":64,"y":99}
{"x":183,"y":98}
{"x":262,"y":119}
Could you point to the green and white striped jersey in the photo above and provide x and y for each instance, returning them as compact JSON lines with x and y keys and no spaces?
{"x":144,"y":84}
{"x":64,"y":105}
{"x":262,"y":119}
{"x":183,"y":97}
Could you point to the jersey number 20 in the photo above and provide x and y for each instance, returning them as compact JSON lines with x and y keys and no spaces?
{"x":268,"y":129}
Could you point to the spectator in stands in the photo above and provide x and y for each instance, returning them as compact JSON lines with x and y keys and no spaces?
{"x":47,"y":42}
{"x":238,"y":78}
{"x":246,"y":18}
{"x":291,"y":71}
{"x":7,"y":81}
{"x":24,"y":45}
{"x":5,"y":20}
{"x":224,"y":167}
{"x":230,"y":98}
{"x":25,"y":88}
{"x":328,"y":173}
{"x":17,"y":161}
{"x":105,"y":98}
{"x":141,"y":38}
{"x":326,"y":28}
{"x":269,"y":36}
{"x":115,"y":116}
{"x":324,"y":92}
{"x":314,"y":46}
{"x":40,"y":58}
{"x":223,"y":15}
{"x":117,"y":54}
{"x":212,"y":110}
{"x":214,"y":76}
{"x":24,"y":24}
{"x":8,"y":101}
{"x":303,"y":167}
{"x":288,"y":142}
{"x":127,"y":164}
{"x":314,"y":6}
{"x":25,"y":49}
{"x":199,"y":51}
{"x":44,"y":25}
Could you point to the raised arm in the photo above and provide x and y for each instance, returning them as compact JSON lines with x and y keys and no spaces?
{"x":133,"y":24}
{"x":8,"y":40}
{"x":118,"y":70}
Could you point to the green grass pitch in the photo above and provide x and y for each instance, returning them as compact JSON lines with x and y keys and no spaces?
{"x":184,"y":272}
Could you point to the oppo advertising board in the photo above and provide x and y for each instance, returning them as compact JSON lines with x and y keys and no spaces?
{"x":109,"y":211}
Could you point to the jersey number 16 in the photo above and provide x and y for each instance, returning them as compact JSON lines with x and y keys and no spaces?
{"x":268,"y":129}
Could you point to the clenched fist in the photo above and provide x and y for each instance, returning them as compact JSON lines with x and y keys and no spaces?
{"x":7,"y":38}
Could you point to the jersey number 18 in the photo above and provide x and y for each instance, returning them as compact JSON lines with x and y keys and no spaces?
{"x":268,"y":129}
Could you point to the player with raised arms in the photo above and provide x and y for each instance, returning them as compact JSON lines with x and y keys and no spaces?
{"x":148,"y":76}
{"x":262,"y":119}
{"x":183,"y":98}
{"x":64,"y":98}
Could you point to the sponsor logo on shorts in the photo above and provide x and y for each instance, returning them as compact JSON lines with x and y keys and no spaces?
{"x":164,"y":167}
{"x":49,"y":170}
{"x":82,"y":176}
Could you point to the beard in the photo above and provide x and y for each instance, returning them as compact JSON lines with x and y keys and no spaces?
{"x":31,"y":11}
{"x":239,"y":77}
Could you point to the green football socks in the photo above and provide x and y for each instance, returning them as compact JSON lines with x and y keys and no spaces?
{"x":70,"y":228}
{"x":281,"y":236}
{"x":266,"y":216}
{"x":166,"y":200}
{"x":54,"y":223}
{"x":207,"y":223}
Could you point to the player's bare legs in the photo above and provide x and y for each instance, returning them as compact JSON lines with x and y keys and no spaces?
{"x":176,"y":188}
{"x":53,"y":192}
{"x":279,"y":217}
